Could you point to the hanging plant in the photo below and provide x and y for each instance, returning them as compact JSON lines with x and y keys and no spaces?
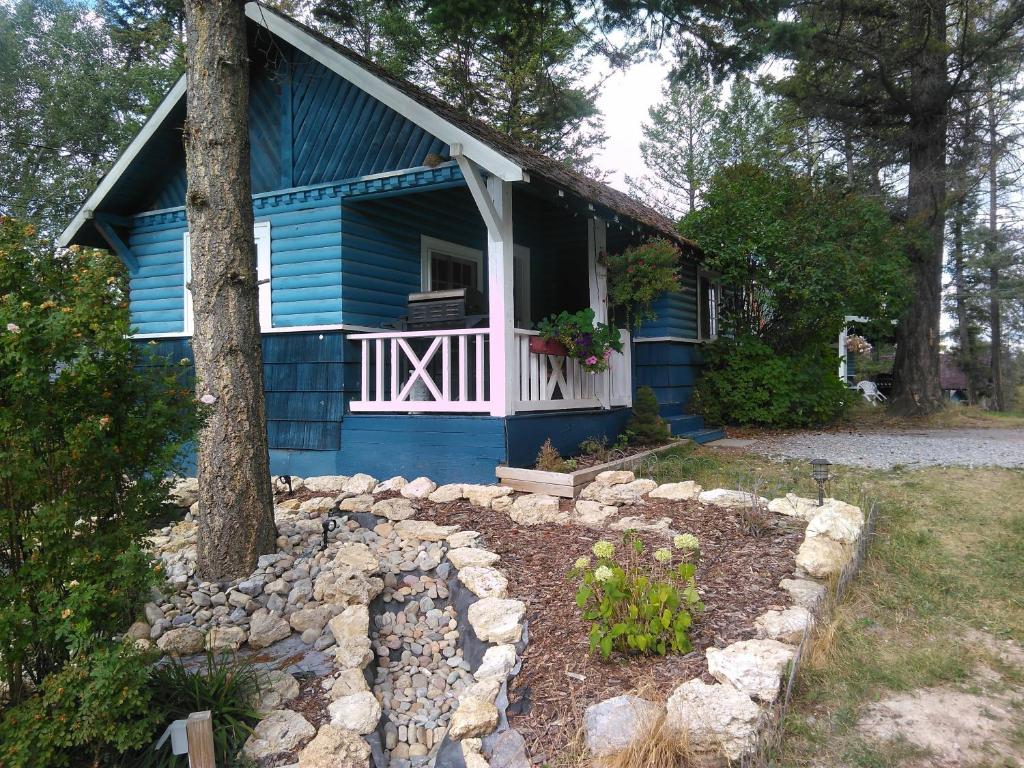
{"x":584,"y":340}
{"x":639,"y":275}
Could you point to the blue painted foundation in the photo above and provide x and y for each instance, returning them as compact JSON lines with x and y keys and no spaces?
{"x":567,"y":429}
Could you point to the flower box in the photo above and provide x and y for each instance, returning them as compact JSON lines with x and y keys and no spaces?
{"x":541,"y":346}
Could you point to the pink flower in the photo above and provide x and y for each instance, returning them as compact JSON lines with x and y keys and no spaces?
{"x":592,"y":360}
{"x":208,"y":399}
{"x":607,"y":354}
{"x":13,"y":328}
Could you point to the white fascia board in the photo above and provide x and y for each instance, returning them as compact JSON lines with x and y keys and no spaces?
{"x":155,"y":120}
{"x":489,"y":159}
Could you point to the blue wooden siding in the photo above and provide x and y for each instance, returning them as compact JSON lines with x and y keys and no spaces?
{"x":676,"y":312}
{"x":526,"y":432}
{"x":447,"y":449}
{"x":158,"y":286}
{"x":305,"y":264}
{"x":381,"y":261}
{"x":671,"y":368}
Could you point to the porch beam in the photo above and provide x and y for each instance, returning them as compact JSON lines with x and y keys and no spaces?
{"x":478,"y":189}
{"x":501,"y":301}
{"x":117,"y":245}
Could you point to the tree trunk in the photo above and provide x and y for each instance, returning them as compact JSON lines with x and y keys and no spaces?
{"x":967,"y":357}
{"x":992,"y":248}
{"x":237,"y":521}
{"x":916,"y":389}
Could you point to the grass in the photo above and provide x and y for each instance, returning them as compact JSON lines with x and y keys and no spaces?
{"x":865,"y":416}
{"x":948,"y":556}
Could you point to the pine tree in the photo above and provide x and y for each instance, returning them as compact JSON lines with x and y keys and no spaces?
{"x":646,"y":425}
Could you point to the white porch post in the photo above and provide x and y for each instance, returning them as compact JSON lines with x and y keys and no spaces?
{"x":597,"y":272}
{"x":500,"y":260}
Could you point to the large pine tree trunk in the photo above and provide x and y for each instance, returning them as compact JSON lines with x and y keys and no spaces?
{"x":967,"y":354}
{"x":235,"y":497}
{"x":916,"y":387}
{"x":992,"y":251}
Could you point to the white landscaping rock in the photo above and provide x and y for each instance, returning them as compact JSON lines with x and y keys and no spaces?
{"x":833,"y":524}
{"x":280,"y":731}
{"x":496,"y":620}
{"x":318,"y":505}
{"x":594,"y":514}
{"x":476,"y":716}
{"x":804,"y":592}
{"x":822,"y":557}
{"x":615,"y":477}
{"x":395,"y":483}
{"x":276,"y":688}
{"x":353,"y":558}
{"x":723,"y":497}
{"x":623,"y":493}
{"x":753,"y":666}
{"x":463,"y":540}
{"x":266,"y":628}
{"x":536,"y":509}
{"x":464,"y":557}
{"x":225,"y":639}
{"x":613,"y":724}
{"x":359,"y":712}
{"x":786,"y":626}
{"x":713,"y":718}
{"x":483,"y":581}
{"x":360,"y":484}
{"x":446,"y":493}
{"x":684,"y":491}
{"x":351,"y":629}
{"x":181,"y":641}
{"x":326,"y":483}
{"x":485,"y":495}
{"x":424,"y":530}
{"x":347,"y":682}
{"x":792,"y":505}
{"x":394,"y":509}
{"x":497,"y":663}
{"x":335,"y":748}
{"x":419,"y":488}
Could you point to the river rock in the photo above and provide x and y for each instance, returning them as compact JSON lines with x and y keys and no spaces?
{"x":139,"y":630}
{"x":280,"y":731}
{"x":483,"y":581}
{"x":183,"y":641}
{"x":335,"y":747}
{"x":713,"y":718}
{"x":786,"y":626}
{"x":359,"y":712}
{"x":822,"y":557}
{"x":266,"y":628}
{"x":463,"y":557}
{"x":497,"y":620}
{"x":612,"y":725}
{"x":754,"y":667}
{"x":684,"y":491}
{"x":419,"y":488}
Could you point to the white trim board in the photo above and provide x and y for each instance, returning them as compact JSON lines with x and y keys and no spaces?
{"x":280,"y":329}
{"x":429,"y":245}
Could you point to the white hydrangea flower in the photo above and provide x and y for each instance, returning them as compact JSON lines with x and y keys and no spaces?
{"x":602,"y":573}
{"x":604,"y":549}
{"x":662,"y":555}
{"x":686,"y":541}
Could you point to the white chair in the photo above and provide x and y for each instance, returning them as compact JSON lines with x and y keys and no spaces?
{"x":870,"y":391}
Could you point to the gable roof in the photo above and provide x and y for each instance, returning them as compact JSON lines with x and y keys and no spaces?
{"x":492,"y":150}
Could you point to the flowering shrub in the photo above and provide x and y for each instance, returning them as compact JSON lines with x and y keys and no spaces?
{"x":589,"y":342}
{"x":87,"y":437}
{"x":639,"y":275}
{"x":639,"y":604}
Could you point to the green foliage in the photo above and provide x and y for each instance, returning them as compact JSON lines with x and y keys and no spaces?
{"x":87,"y":437}
{"x":637,"y":603}
{"x":550,"y":460}
{"x":588,"y":342}
{"x":94,"y":709}
{"x":746,"y":382}
{"x":645,"y":426}
{"x":227,"y":687}
{"x":639,"y":275}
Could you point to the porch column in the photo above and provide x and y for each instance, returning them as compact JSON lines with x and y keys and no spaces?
{"x":501,"y":302}
{"x":597,"y":248}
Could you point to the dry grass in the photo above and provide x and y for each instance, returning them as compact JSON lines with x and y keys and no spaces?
{"x":864,"y":416}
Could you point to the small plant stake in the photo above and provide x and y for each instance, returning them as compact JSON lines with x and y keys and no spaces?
{"x":199,"y":728}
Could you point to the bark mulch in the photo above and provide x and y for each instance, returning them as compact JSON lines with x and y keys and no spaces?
{"x":738,"y":577}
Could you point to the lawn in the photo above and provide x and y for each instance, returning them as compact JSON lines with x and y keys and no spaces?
{"x":947,"y":561}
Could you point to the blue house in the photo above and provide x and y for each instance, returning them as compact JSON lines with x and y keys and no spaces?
{"x":366,"y":191}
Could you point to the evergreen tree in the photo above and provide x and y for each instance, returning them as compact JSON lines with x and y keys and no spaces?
{"x":646,"y":425}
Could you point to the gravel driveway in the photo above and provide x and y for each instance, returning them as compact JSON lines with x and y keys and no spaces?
{"x":881,"y":450}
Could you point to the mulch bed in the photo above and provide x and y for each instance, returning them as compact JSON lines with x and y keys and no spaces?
{"x":585,"y":461}
{"x":738,"y":577}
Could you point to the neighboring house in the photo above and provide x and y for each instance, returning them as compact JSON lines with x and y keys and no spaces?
{"x":366,"y":189}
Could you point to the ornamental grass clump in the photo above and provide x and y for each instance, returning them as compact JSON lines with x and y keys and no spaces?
{"x":638,"y":602}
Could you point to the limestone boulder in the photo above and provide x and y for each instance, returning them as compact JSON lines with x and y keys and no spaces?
{"x":446,"y":493}
{"x":359,"y":484}
{"x":423,"y":530}
{"x":335,"y":747}
{"x":182,"y":641}
{"x":395,"y":483}
{"x":483,"y":581}
{"x":314,"y":618}
{"x":786,"y":626}
{"x":715,"y":719}
{"x":484,"y":495}
{"x":475,"y":716}
{"x":685,"y":491}
{"x":282,"y":730}
{"x":536,"y":509}
{"x":724,"y":497}
{"x":359,"y":712}
{"x":332,"y":484}
{"x":594,"y":514}
{"x":184,"y":493}
{"x":225,"y":638}
{"x":502,"y":503}
{"x":464,"y":557}
{"x":497,"y":663}
{"x":804,"y":592}
{"x":276,"y":688}
{"x":266,"y":628}
{"x":394,"y":509}
{"x":356,"y":558}
{"x":836,"y":524}
{"x":464,"y":540}
{"x":361,"y":503}
{"x":619,"y":494}
{"x":610,"y":726}
{"x":792,"y":505}
{"x":350,"y":629}
{"x":420,"y":488}
{"x":615,"y":477}
{"x":347,"y":682}
{"x":754,"y":667}
{"x":318,"y":505}
{"x":822,"y":557}
{"x":497,"y":620}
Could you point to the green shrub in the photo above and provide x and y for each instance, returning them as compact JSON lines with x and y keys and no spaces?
{"x":646,"y":427}
{"x":88,"y":435}
{"x":638,"y":604}
{"x":95,"y":708}
{"x":640,"y":275}
{"x":745,"y":382}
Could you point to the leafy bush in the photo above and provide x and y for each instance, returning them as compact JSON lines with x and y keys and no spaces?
{"x":87,"y":437}
{"x":641,"y":274}
{"x":745,"y":382}
{"x":638,"y":604}
{"x":646,"y":427}
{"x":95,"y":708}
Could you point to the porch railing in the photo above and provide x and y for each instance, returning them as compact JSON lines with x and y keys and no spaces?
{"x":442,"y":371}
{"x":553,"y":382}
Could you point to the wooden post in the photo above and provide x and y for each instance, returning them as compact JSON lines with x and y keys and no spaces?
{"x":597,"y":278}
{"x":199,"y":730}
{"x":500,"y":298}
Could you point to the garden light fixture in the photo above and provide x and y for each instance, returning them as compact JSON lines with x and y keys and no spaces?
{"x":820,"y":475}
{"x":330,"y":522}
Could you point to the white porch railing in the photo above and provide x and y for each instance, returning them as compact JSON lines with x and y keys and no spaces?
{"x":442,"y":371}
{"x":553,"y":382}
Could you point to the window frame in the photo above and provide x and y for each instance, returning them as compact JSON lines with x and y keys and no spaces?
{"x":714,"y":283}
{"x":261,"y":238}
{"x":430,"y":245}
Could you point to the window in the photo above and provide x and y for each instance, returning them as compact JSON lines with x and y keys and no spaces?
{"x":709,"y":298}
{"x":450,"y":265}
{"x":261,"y":236}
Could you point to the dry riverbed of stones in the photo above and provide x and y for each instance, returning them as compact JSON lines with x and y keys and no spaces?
{"x":409,"y":627}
